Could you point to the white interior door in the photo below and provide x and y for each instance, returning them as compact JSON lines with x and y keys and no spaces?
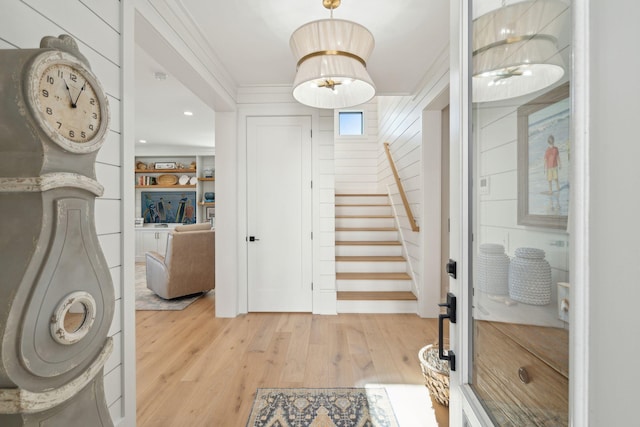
{"x":279,"y":247}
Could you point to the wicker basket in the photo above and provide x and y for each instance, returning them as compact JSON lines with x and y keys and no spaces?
{"x":167,"y":179}
{"x":436,"y":373}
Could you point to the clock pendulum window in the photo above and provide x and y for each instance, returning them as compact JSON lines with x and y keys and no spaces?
{"x":57,"y":293}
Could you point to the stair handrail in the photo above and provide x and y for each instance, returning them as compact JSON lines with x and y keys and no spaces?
{"x":405,"y":202}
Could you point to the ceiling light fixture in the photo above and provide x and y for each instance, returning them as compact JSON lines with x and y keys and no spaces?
{"x":515,"y":50}
{"x":331,"y":69}
{"x":188,"y":113}
{"x":142,"y":141}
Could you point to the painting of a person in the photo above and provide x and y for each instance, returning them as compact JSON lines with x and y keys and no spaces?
{"x":552,"y":164}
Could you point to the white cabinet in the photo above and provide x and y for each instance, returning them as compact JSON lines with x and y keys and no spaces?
{"x":151,"y":239}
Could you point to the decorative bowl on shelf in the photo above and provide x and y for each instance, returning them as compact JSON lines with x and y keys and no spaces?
{"x":167,"y":179}
{"x":208,"y":173}
{"x":209,"y":197}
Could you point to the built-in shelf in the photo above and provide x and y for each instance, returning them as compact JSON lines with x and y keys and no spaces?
{"x":166,"y":186}
{"x":198,"y":168}
{"x":165,"y":171}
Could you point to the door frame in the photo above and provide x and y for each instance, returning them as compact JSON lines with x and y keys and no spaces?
{"x":271,"y":110}
{"x":261,"y":296}
{"x":432,"y":170}
{"x":463,"y":402}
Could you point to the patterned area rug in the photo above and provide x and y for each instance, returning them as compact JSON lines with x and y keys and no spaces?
{"x":146,"y":299}
{"x":322,"y":407}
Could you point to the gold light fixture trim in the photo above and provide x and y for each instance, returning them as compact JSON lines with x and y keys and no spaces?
{"x":331,"y":52}
{"x":331,"y":4}
{"x":513,"y":40}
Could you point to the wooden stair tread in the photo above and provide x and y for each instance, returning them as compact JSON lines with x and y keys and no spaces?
{"x":370,"y":258}
{"x":372,"y":276}
{"x":368,"y":243}
{"x":366,"y":229}
{"x":361,"y":195}
{"x":376,"y":296}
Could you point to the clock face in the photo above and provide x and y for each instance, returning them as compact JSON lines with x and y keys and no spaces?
{"x":68,"y":103}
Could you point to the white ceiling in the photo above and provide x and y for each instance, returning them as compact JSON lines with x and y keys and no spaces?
{"x":251,"y":39}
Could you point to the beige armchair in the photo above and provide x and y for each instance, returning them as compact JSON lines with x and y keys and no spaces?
{"x":189,"y":265}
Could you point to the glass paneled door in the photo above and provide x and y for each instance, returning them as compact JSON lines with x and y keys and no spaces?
{"x":519,"y":167}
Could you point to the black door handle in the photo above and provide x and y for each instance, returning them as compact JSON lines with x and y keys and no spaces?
{"x":451,"y":269}
{"x":253,"y":239}
{"x":451,"y":315}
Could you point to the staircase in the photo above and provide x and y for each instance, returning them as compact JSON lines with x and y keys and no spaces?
{"x":371,"y":272}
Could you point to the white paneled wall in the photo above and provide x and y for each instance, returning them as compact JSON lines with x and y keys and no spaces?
{"x":356,"y":169}
{"x":96,"y":26}
{"x":401,"y":127}
{"x":324,"y":246}
{"x":498,"y":209}
{"x":400,"y":124}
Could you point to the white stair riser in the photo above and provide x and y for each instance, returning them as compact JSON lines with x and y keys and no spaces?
{"x":373,"y":285}
{"x":371,"y":267}
{"x":359,"y":236}
{"x":368,"y":200}
{"x":364,"y":222}
{"x":363,"y":210}
{"x":377,"y":307}
{"x":368,"y":250}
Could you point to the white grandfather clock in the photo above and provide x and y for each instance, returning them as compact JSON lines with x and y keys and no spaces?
{"x":56,"y":293}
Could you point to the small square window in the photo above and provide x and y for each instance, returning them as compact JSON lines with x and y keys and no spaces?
{"x":351,"y":123}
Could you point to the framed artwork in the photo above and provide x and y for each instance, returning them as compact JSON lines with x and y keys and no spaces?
{"x":544,"y":156}
{"x":210,"y":213}
{"x":168,"y":206}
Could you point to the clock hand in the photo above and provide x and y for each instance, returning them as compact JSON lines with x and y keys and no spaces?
{"x":73,"y":104}
{"x":79,"y":93}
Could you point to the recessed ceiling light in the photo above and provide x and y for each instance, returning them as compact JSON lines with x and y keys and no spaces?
{"x":188,"y":113}
{"x":142,"y":141}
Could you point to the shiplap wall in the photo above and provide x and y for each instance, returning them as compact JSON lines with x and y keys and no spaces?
{"x":95,"y":24}
{"x":325,"y":185}
{"x":401,"y":127}
{"x":356,"y":165}
{"x":400,"y":124}
{"x":497,"y":143}
{"x":497,"y":159}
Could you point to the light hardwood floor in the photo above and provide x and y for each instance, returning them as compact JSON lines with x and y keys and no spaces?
{"x":197,"y":370}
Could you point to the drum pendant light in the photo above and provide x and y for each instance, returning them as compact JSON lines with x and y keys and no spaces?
{"x":331,"y":68}
{"x":515,"y":50}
